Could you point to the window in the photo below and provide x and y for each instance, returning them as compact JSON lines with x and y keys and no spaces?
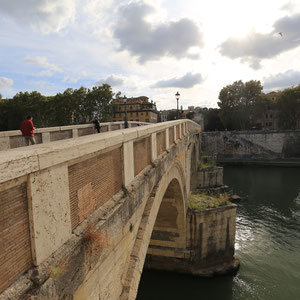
{"x":271,"y":116}
{"x":131,"y":114}
{"x":137,"y":114}
{"x":137,"y":107}
{"x":120,"y":115}
{"x":267,"y":116}
{"x":130,"y":107}
{"x":147,"y":114}
{"x":270,"y":123}
{"x":137,"y":120}
{"x":147,"y":120}
{"x":266,"y":124}
{"x":142,"y":114}
{"x":114,"y":115}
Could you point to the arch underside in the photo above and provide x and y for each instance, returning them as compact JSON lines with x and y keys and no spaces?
{"x":162,"y":230}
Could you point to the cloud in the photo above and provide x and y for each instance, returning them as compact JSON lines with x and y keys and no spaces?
{"x":42,"y":62}
{"x":5,"y":82}
{"x":74,"y":79}
{"x":258,"y":46}
{"x":291,"y":6}
{"x":186,"y":81}
{"x":148,"y":42}
{"x":282,"y":80}
{"x":43,"y":15}
{"x":111,"y":80}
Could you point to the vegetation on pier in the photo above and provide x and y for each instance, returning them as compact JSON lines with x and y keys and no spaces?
{"x":204,"y":201}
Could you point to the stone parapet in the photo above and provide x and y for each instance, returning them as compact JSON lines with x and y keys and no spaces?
{"x":13,"y":139}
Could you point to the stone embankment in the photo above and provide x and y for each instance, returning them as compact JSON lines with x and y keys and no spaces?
{"x":260,"y":147}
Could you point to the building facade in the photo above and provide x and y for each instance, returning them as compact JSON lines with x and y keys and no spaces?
{"x":138,"y":109}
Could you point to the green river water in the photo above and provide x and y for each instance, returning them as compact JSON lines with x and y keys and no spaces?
{"x":267,"y":243}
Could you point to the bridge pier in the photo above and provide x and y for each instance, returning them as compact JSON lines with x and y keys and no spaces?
{"x":210,"y":246}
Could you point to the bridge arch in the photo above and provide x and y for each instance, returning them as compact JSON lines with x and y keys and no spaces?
{"x":162,"y":228}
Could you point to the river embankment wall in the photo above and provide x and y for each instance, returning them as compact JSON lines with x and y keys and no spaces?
{"x":268,"y":147}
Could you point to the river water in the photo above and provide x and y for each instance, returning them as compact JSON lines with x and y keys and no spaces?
{"x":267,"y":244}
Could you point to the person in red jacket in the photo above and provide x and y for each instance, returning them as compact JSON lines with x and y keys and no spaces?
{"x":27,"y":131}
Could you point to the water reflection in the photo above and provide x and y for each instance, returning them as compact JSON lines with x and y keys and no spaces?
{"x":267,"y":243}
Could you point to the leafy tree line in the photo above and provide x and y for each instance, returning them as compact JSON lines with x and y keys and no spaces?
{"x":242,"y":104}
{"x":73,"y":106}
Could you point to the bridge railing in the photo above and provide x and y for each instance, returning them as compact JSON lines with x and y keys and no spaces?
{"x":47,"y":190}
{"x":14,"y":139}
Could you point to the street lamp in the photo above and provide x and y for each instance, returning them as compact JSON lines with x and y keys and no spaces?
{"x":125,"y":104}
{"x":177,"y":96}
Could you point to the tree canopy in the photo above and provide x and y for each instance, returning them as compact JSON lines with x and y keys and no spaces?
{"x":73,"y":106}
{"x":237,"y":103}
{"x":288,"y":104}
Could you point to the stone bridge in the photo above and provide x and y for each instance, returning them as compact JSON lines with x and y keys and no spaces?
{"x":79,"y":216}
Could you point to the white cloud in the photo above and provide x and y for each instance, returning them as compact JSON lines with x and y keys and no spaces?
{"x":258,"y":46}
{"x":5,"y":82}
{"x":187,"y":81}
{"x":42,"y":62}
{"x":112,"y":80}
{"x":151,"y":42}
{"x":42,"y":15}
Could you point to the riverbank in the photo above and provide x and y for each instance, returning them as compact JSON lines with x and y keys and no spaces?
{"x":253,"y":162}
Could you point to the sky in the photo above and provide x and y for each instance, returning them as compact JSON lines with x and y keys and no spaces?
{"x":152,"y":48}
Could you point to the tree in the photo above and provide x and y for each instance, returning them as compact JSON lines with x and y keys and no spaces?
{"x":100,"y":100}
{"x":172,"y":115}
{"x":70,"y":107}
{"x":237,"y":103}
{"x":212,"y":120}
{"x":190,"y":115}
{"x":288,"y":104}
{"x":22,"y":105}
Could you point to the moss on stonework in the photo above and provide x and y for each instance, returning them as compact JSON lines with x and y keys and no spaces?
{"x":203,"y":201}
{"x":206,"y":162}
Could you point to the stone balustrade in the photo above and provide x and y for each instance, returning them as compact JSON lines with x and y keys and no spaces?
{"x":14,"y":139}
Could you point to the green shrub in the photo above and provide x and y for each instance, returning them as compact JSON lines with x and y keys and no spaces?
{"x":204,"y":201}
{"x":206,"y":162}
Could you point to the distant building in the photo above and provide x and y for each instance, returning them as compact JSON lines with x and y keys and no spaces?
{"x":164,"y":115}
{"x":138,"y":109}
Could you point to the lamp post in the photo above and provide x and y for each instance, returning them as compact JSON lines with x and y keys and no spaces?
{"x":177,"y":96}
{"x":125,"y":104}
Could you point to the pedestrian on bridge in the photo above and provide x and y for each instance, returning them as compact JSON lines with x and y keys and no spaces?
{"x":97,"y":124}
{"x":27,"y":130}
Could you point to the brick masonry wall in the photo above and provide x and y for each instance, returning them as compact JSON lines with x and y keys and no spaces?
{"x":142,"y":154}
{"x":85,"y":131}
{"x":60,"y":135}
{"x":171,"y":136}
{"x":15,"y":247}
{"x":19,"y":141}
{"x":104,"y":128}
{"x":161,"y":142}
{"x":115,"y":127}
{"x":92,"y":182}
